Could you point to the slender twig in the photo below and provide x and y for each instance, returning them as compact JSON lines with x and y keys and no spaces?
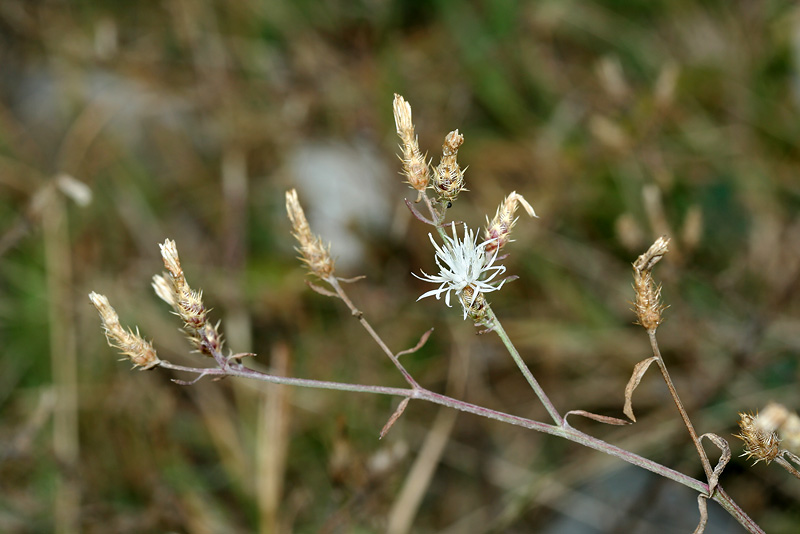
{"x":334,"y":283}
{"x":684,"y":415}
{"x":788,"y":466}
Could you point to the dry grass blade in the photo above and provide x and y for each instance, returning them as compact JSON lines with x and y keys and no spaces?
{"x":638,"y":371}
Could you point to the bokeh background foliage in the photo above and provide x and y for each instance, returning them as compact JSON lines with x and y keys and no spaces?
{"x":619,"y":121}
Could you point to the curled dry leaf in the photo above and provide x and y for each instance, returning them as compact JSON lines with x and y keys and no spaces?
{"x":723,"y":459}
{"x":638,"y":371}
{"x":597,"y":417}
{"x":702,"y":499}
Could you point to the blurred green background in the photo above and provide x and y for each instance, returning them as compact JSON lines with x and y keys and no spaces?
{"x":618,"y":121}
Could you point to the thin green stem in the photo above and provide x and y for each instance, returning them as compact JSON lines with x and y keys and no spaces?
{"x":495,"y":325}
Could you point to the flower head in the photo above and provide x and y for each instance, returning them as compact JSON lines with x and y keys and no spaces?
{"x":463,"y":263}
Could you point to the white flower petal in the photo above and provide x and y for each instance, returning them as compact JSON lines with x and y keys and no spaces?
{"x":463,"y":263}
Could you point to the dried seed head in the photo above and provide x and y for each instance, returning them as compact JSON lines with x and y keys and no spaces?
{"x":173,"y":289}
{"x":415,"y":168}
{"x":135,"y":347}
{"x":313,"y":252}
{"x":759,"y":442}
{"x":648,"y":306}
{"x":448,"y":178}
{"x":498,"y":230}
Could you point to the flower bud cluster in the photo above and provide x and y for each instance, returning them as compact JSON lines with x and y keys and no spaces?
{"x":173,"y":289}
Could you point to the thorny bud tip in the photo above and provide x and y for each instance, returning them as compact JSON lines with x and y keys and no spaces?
{"x":498,"y":230}
{"x":135,"y":347}
{"x":648,"y":306}
{"x":415,"y":168}
{"x":760,"y":442}
{"x":314,"y":253}
{"x":448,"y":177}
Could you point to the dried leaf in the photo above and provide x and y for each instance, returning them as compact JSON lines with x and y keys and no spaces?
{"x":418,"y":346}
{"x":395,"y":416}
{"x":597,"y":417}
{"x":723,"y":459}
{"x":321,"y":290}
{"x":702,"y":506}
{"x":638,"y":371}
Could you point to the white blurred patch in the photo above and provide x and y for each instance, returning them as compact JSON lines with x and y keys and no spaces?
{"x":343,"y":188}
{"x":78,"y":191}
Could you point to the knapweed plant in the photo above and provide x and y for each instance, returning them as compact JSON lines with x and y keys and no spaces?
{"x":467,"y":270}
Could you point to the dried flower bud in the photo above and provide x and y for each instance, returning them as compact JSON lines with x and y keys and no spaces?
{"x":474,"y":304}
{"x":173,"y":289}
{"x":499,"y":229}
{"x":648,"y":306}
{"x":759,"y":442}
{"x":415,"y":168}
{"x":314,"y":253}
{"x":448,"y":178}
{"x":135,"y":347}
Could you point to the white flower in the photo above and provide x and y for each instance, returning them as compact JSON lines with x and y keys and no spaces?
{"x":463,"y":263}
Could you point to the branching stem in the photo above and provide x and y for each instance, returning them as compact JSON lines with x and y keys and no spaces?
{"x":236,"y":369}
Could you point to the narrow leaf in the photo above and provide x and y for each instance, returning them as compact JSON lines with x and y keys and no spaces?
{"x":417,"y":214}
{"x":320,"y":290}
{"x":638,"y":371}
{"x":597,"y":417}
{"x":395,"y":416}
{"x":418,"y":346}
{"x":351,"y":280}
{"x":702,"y":506}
